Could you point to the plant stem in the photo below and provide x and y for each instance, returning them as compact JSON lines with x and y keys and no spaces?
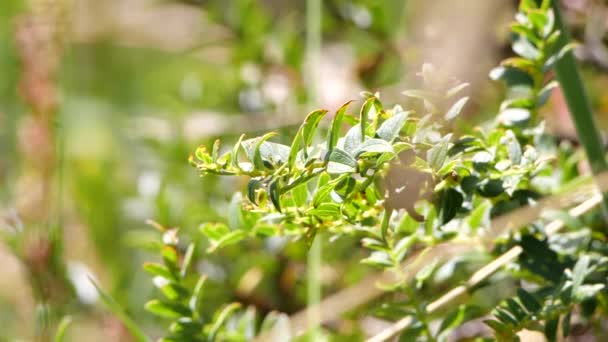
{"x":313,"y":51}
{"x":578,"y":104}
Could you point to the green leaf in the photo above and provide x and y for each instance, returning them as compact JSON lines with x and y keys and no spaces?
{"x":480,"y":216}
{"x":528,"y":301}
{"x":374,"y":146}
{"x":550,"y":63}
{"x":549,"y":24}
{"x":522,"y":64}
{"x":505,"y":316}
{"x":310,"y":125}
{"x":490,"y":187}
{"x":456,"y":108}
{"x":275,"y":154}
{"x":231,"y":238}
{"x":551,"y":329}
{"x":221,"y":317}
{"x":455,"y":90}
{"x":214,"y":231}
{"x":368,"y":110}
{"x":336,"y":125}
{"x":539,"y":20}
{"x":374,"y":244}
{"x":386,"y":218}
{"x":215,"y":150}
{"x":482,"y":158}
{"x":545,"y":93}
{"x":385,"y":158}
{"x":404,"y":245}
{"x":258,"y":161}
{"x":324,"y":190}
{"x":62,"y":328}
{"x":117,"y":310}
{"x":511,"y":76}
{"x":202,"y":155}
{"x":525,"y":31}
{"x":525,"y":48}
{"x":252,"y":186}
{"x":408,"y":225}
{"x":166,"y":310}
{"x":326,"y":210}
{"x":579,"y":273}
{"x":169,"y":255}
{"x":184,"y":326}
{"x":341,"y":162}
{"x":300,"y":194}
{"x":352,"y":139}
{"x":378,"y":259}
{"x":456,"y":318}
{"x":514,"y":116}
{"x":158,"y":270}
{"x":275,"y":197}
{"x":520,"y":102}
{"x":172,"y":291}
{"x":499,"y":327}
{"x":305,"y":134}
{"x":450,"y":203}
{"x":391,"y":127}
{"x":436,"y":155}
{"x":465,"y":143}
{"x":513,"y":147}
{"x":585,"y":292}
{"x":235,"y":152}
{"x":516,"y":309}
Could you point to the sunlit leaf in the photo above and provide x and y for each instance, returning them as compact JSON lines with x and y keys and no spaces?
{"x":456,"y":108}
{"x":391,"y":127}
{"x":373,"y":146}
{"x":341,"y":162}
{"x":305,"y":134}
{"x":336,"y":125}
{"x":166,"y":309}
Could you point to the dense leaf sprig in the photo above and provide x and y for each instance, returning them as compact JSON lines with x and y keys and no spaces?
{"x":396,"y":177}
{"x":183,"y":299}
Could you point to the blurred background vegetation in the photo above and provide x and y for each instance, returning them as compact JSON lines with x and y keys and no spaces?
{"x":100,"y":121}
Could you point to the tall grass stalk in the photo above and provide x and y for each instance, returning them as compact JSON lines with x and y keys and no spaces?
{"x":579,"y":106}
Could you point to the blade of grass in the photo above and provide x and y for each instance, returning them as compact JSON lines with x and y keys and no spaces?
{"x":117,"y":310}
{"x":62,"y":328}
{"x":579,"y":106}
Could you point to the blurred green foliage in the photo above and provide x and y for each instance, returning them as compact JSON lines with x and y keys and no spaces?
{"x":125,"y":133}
